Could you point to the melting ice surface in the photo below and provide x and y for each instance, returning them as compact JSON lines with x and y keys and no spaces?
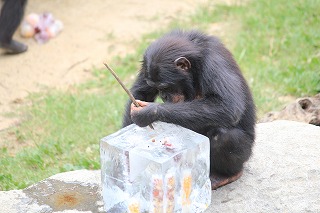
{"x":162,"y":170}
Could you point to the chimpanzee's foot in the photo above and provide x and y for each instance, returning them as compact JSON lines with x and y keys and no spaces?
{"x":217,"y":181}
{"x":14,"y":47}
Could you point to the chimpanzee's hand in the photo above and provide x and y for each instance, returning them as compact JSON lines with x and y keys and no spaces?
{"x":145,"y":114}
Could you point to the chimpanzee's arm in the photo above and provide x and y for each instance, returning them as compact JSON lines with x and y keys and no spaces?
{"x":140,"y":91}
{"x":197,"y":115}
{"x":209,"y":112}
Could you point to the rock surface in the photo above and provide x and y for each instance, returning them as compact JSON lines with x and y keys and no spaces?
{"x":77,"y":191}
{"x":283,"y":175}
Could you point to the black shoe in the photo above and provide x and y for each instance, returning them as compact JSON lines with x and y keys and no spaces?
{"x":14,"y":47}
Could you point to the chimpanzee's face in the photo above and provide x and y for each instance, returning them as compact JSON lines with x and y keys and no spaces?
{"x":173,"y":95}
{"x":168,"y":95}
{"x":168,"y":92}
{"x":171,"y":79}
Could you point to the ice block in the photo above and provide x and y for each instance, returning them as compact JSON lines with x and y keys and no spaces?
{"x":158,"y":171}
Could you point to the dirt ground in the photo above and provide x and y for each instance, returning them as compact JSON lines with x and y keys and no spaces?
{"x":93,"y":33}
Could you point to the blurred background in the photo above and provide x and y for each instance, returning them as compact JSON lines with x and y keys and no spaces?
{"x":57,"y":100}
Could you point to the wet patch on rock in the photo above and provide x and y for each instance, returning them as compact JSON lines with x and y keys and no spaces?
{"x":59,"y":195}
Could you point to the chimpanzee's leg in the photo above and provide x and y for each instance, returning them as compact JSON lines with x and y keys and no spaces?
{"x":229,"y":150}
{"x":11,"y":15}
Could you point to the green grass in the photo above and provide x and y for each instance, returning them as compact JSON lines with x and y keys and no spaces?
{"x":277,"y":47}
{"x":280,"y":42}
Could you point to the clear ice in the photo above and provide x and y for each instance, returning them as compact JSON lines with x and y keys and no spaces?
{"x":158,"y":171}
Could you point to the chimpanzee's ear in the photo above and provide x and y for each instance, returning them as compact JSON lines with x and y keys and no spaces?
{"x":182,"y":63}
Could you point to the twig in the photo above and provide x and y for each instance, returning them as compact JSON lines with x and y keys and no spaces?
{"x":77,"y":63}
{"x":72,"y":66}
{"x":124,"y":87}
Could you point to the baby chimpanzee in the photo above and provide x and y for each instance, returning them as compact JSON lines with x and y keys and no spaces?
{"x":203,"y":90}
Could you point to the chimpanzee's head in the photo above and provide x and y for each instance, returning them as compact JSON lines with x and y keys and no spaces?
{"x":167,"y":65}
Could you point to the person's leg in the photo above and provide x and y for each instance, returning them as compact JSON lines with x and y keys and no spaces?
{"x":10,"y":17}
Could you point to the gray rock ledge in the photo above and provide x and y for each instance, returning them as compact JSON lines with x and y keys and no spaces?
{"x":283,"y":175}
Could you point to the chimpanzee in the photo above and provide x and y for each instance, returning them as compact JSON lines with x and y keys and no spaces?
{"x":203,"y":89}
{"x":10,"y":17}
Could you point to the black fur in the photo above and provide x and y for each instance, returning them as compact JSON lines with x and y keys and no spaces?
{"x":216,"y":99}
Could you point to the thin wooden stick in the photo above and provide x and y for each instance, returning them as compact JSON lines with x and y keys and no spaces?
{"x":125,"y":88}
